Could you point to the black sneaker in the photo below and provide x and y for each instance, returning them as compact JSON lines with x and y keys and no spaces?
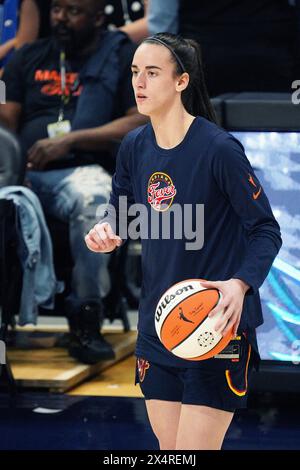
{"x":87,"y":345}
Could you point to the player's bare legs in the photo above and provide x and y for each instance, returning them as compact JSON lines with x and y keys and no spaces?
{"x":202,"y":428}
{"x":164,"y":419}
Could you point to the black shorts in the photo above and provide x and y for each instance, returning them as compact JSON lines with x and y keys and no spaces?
{"x":220,"y":382}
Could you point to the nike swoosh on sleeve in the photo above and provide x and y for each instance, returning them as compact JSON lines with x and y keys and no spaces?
{"x":256,"y":195}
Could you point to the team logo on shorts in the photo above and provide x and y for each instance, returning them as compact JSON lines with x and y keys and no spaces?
{"x":161,"y":191}
{"x":143,"y":366}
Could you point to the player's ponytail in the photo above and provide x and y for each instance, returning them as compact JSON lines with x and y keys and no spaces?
{"x":186,"y":55}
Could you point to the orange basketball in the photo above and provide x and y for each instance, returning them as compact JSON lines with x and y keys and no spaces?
{"x":182,"y":322}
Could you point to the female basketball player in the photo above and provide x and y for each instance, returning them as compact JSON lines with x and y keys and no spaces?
{"x":182,"y":157}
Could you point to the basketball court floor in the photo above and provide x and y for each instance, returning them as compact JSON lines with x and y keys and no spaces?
{"x":107,"y":412}
{"x":84,"y":420}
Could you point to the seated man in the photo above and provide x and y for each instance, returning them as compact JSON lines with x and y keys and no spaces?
{"x":69,"y":97}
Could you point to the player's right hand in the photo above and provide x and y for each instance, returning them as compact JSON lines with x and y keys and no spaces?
{"x":102,"y":239}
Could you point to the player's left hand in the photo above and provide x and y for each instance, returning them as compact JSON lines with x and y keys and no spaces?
{"x":233,"y":292}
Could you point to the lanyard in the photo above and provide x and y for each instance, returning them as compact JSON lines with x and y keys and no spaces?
{"x":65,"y":93}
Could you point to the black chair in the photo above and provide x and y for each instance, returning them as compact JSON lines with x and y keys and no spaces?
{"x":12,"y":165}
{"x":218,"y":103}
{"x":10,"y":277}
{"x":12,"y":168}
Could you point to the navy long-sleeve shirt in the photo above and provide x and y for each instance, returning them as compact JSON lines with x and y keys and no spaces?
{"x":241,"y":235}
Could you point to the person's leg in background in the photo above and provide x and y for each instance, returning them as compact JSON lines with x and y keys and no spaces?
{"x":74,"y":195}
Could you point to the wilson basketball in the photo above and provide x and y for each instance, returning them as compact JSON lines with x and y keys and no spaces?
{"x":182,"y":322}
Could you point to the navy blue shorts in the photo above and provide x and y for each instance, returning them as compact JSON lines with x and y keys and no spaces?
{"x":220,"y":382}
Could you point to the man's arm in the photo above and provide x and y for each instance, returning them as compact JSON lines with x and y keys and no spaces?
{"x":96,"y":139}
{"x":10,"y":115}
{"x":99,"y":137}
{"x":28,"y":28}
{"x":7,"y":47}
{"x":163,"y":16}
{"x":137,"y":30}
{"x":29,"y":23}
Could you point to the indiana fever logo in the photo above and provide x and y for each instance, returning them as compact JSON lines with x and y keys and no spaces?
{"x":161,"y":191}
{"x":143,"y":365}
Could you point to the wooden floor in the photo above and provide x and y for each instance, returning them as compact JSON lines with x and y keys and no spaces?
{"x":40,"y":364}
{"x":116,"y":381}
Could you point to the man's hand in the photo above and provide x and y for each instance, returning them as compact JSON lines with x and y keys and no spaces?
{"x":233,"y":292}
{"x":47,"y":150}
{"x":102,"y":239}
